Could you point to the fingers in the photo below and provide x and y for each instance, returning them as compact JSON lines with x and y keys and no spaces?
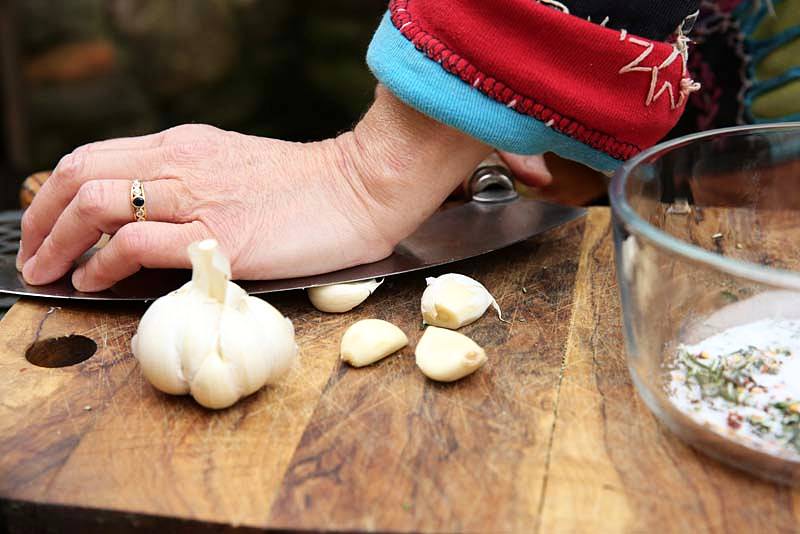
{"x":530,"y":170}
{"x":77,"y":169}
{"x":145,"y":244}
{"x":101,"y":206}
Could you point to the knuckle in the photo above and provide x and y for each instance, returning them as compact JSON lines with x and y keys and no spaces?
{"x":183,"y":202}
{"x":55,"y":244}
{"x":29,"y":222}
{"x":88,"y":147}
{"x":176,"y":131}
{"x":190,"y":152}
{"x":131,"y":241}
{"x":180,"y":152}
{"x":97,"y":269}
{"x":189,"y":131}
{"x":69,"y":169}
{"x":93,"y":199}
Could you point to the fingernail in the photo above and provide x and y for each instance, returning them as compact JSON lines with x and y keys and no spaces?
{"x":20,"y":263}
{"x":77,"y":278}
{"x":29,"y":270}
{"x":536,"y":164}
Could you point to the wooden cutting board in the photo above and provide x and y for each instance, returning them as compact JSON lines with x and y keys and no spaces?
{"x":548,"y":437}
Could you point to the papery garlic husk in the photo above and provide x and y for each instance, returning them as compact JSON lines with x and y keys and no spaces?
{"x":370,"y":340}
{"x":445,"y":355}
{"x":454,"y":300}
{"x":210,"y":339}
{"x":340,"y":298}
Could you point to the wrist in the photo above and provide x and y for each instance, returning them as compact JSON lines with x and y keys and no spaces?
{"x":408,"y":163}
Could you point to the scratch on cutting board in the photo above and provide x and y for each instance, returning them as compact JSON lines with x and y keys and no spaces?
{"x":50,"y":312}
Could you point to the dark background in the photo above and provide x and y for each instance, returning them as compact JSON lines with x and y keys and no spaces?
{"x":76,"y":71}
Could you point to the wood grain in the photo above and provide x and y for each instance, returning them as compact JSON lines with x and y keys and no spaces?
{"x":612,"y":463}
{"x":549,"y":436}
{"x":388,"y":449}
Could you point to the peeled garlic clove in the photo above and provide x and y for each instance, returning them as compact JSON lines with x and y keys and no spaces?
{"x":447,"y":356}
{"x":454,"y":300}
{"x":370,"y":340}
{"x":339,"y":298}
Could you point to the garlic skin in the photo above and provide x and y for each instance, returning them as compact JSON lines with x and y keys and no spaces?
{"x":454,"y":300}
{"x":370,"y":340}
{"x":446,"y":356}
{"x":340,"y":298}
{"x":210,"y":339}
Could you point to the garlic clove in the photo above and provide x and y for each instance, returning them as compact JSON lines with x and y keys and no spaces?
{"x":445,"y":355}
{"x":340,"y":298}
{"x":158,"y":346}
{"x":215,"y":384}
{"x":241,"y":335}
{"x":454,"y":300}
{"x":370,"y":340}
{"x":257,"y":327}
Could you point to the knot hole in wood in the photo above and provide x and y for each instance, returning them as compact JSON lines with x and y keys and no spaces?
{"x":61,"y":351}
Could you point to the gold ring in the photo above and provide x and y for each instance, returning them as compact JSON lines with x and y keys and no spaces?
{"x":138,"y":201}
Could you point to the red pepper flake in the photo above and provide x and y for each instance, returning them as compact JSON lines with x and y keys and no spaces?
{"x":734,"y":420}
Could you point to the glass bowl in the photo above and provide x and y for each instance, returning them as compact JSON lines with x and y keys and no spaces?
{"x":707,"y":244}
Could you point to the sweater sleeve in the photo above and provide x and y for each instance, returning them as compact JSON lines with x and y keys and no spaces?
{"x":524,"y":77}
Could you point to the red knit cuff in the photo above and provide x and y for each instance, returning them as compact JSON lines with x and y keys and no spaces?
{"x":611,"y":90}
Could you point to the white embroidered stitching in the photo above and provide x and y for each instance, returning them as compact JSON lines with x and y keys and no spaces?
{"x":605,"y":21}
{"x":550,"y":123}
{"x":623,"y":33}
{"x":404,"y":25}
{"x":477,"y":81}
{"x":556,"y":4}
{"x":512,"y":104}
{"x":679,"y":49}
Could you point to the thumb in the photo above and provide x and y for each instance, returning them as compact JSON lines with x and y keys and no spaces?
{"x":530,"y":170}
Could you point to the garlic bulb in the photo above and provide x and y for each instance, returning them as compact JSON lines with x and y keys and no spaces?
{"x":370,"y":340}
{"x":454,"y":300}
{"x":210,"y":339}
{"x":446,"y":356}
{"x":340,"y":298}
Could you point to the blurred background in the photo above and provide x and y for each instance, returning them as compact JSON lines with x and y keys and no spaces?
{"x":76,"y":71}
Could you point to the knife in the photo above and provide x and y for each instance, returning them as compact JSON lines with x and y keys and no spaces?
{"x":494,"y":217}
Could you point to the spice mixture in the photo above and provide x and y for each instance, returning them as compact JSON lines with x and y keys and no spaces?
{"x":744,"y":381}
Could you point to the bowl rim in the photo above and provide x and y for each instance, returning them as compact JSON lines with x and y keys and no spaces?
{"x":635,"y":225}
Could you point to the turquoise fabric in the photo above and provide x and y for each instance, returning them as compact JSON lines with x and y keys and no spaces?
{"x":424,"y":85}
{"x":758,"y":49}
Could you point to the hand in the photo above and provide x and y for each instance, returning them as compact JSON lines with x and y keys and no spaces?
{"x":278,"y":209}
{"x":556,"y":179}
{"x":530,"y":170}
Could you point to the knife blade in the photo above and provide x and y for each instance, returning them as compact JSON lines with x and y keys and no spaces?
{"x":494,"y":218}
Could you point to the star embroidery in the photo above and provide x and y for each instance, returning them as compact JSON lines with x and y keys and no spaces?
{"x":679,"y":50}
